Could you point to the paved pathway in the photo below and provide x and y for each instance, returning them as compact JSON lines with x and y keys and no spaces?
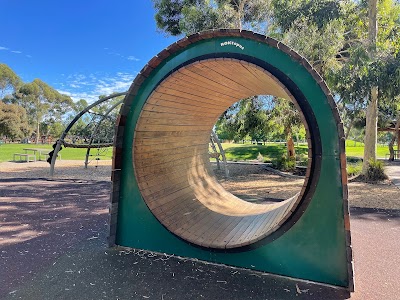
{"x":393,"y":171}
{"x":53,"y":246}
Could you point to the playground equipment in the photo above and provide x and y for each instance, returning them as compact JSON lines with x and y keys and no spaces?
{"x":89,"y":146}
{"x":164,"y":196}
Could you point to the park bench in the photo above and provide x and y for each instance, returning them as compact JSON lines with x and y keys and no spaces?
{"x":27,"y":156}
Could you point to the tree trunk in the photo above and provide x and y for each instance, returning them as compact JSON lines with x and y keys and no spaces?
{"x":37,"y":131}
{"x":348,"y":129}
{"x":371,"y":128}
{"x":394,"y":136}
{"x":289,"y":142}
{"x":290,"y":147}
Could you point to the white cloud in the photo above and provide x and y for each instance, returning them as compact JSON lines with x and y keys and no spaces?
{"x":28,"y":56}
{"x":133,"y":58}
{"x":3,"y":48}
{"x":18,"y":52}
{"x":90,"y":87}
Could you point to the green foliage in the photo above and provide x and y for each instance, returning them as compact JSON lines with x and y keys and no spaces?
{"x":176,"y":17}
{"x":285,"y":163}
{"x":13,"y":121}
{"x":310,"y":41}
{"x":354,"y":169}
{"x":375,"y":171}
{"x":321,"y":12}
{"x":41,"y":102}
{"x":9,"y":81}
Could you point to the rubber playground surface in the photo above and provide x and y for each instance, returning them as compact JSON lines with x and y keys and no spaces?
{"x":53,"y":246}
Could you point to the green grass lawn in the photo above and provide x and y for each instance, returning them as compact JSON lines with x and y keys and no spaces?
{"x":274,"y":150}
{"x":271,"y":151}
{"x":234,"y":152}
{"x":7,"y":151}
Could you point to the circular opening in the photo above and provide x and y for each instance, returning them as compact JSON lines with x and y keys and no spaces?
{"x":171,"y":157}
{"x":259,"y":151}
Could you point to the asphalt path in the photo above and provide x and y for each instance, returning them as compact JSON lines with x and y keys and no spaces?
{"x":53,"y":246}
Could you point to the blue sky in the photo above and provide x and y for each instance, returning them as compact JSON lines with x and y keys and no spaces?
{"x":83,"y":48}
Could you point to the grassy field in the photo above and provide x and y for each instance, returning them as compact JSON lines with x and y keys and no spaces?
{"x":234,"y":152}
{"x":7,"y":151}
{"x":274,"y":150}
{"x":271,"y":151}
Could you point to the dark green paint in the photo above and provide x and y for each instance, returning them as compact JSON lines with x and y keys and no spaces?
{"x":313,"y":249}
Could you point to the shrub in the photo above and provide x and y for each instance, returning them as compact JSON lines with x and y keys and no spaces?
{"x":285,"y":164}
{"x":375,"y":171}
{"x":354,"y":169}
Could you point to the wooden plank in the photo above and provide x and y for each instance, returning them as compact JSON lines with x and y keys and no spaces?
{"x":174,"y":216}
{"x":188,"y":140}
{"x":223,"y":94}
{"x":169,"y":115}
{"x":243,"y":239}
{"x":266,"y":80}
{"x":175,"y":134}
{"x":190,"y":74}
{"x":266,"y":225}
{"x":150,"y":180}
{"x":202,"y":228}
{"x":165,"y":147}
{"x":166,"y":166}
{"x":165,"y":199}
{"x":150,"y":158}
{"x":173,"y":127}
{"x":157,"y":99}
{"x":161,"y":192}
{"x":179,"y":205}
{"x":178,"y":109}
{"x":176,"y":122}
{"x":199,"y":73}
{"x":224,"y":78}
{"x":148,"y":189}
{"x":235,"y":73}
{"x":202,"y":69}
{"x":187,"y":94}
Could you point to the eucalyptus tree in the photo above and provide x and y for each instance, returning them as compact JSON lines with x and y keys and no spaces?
{"x":42,"y":103}
{"x":177,"y":17}
{"x":9,"y":81}
{"x":13,"y":121}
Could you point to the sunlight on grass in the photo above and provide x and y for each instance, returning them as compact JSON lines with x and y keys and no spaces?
{"x":7,"y":151}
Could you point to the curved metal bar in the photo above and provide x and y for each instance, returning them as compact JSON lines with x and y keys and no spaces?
{"x":77,"y":117}
{"x":97,"y":128}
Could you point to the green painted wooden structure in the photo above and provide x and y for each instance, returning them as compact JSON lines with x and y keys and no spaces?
{"x":313,"y":243}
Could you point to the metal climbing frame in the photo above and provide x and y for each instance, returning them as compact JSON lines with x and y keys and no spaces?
{"x":60,"y":141}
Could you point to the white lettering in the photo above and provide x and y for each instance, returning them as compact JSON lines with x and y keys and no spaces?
{"x":232,"y":43}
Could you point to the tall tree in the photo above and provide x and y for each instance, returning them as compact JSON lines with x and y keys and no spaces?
{"x":9,"y":81}
{"x":371,"y":127}
{"x":177,"y":17}
{"x":13,"y":121}
{"x":41,"y":102}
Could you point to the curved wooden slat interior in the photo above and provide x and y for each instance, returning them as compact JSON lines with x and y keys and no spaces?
{"x":171,"y":155}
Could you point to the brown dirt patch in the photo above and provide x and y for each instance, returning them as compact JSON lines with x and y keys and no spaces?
{"x":254,"y":183}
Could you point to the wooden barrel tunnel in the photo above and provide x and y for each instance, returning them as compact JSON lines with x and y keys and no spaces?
{"x":165,"y":197}
{"x":171,"y":154}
